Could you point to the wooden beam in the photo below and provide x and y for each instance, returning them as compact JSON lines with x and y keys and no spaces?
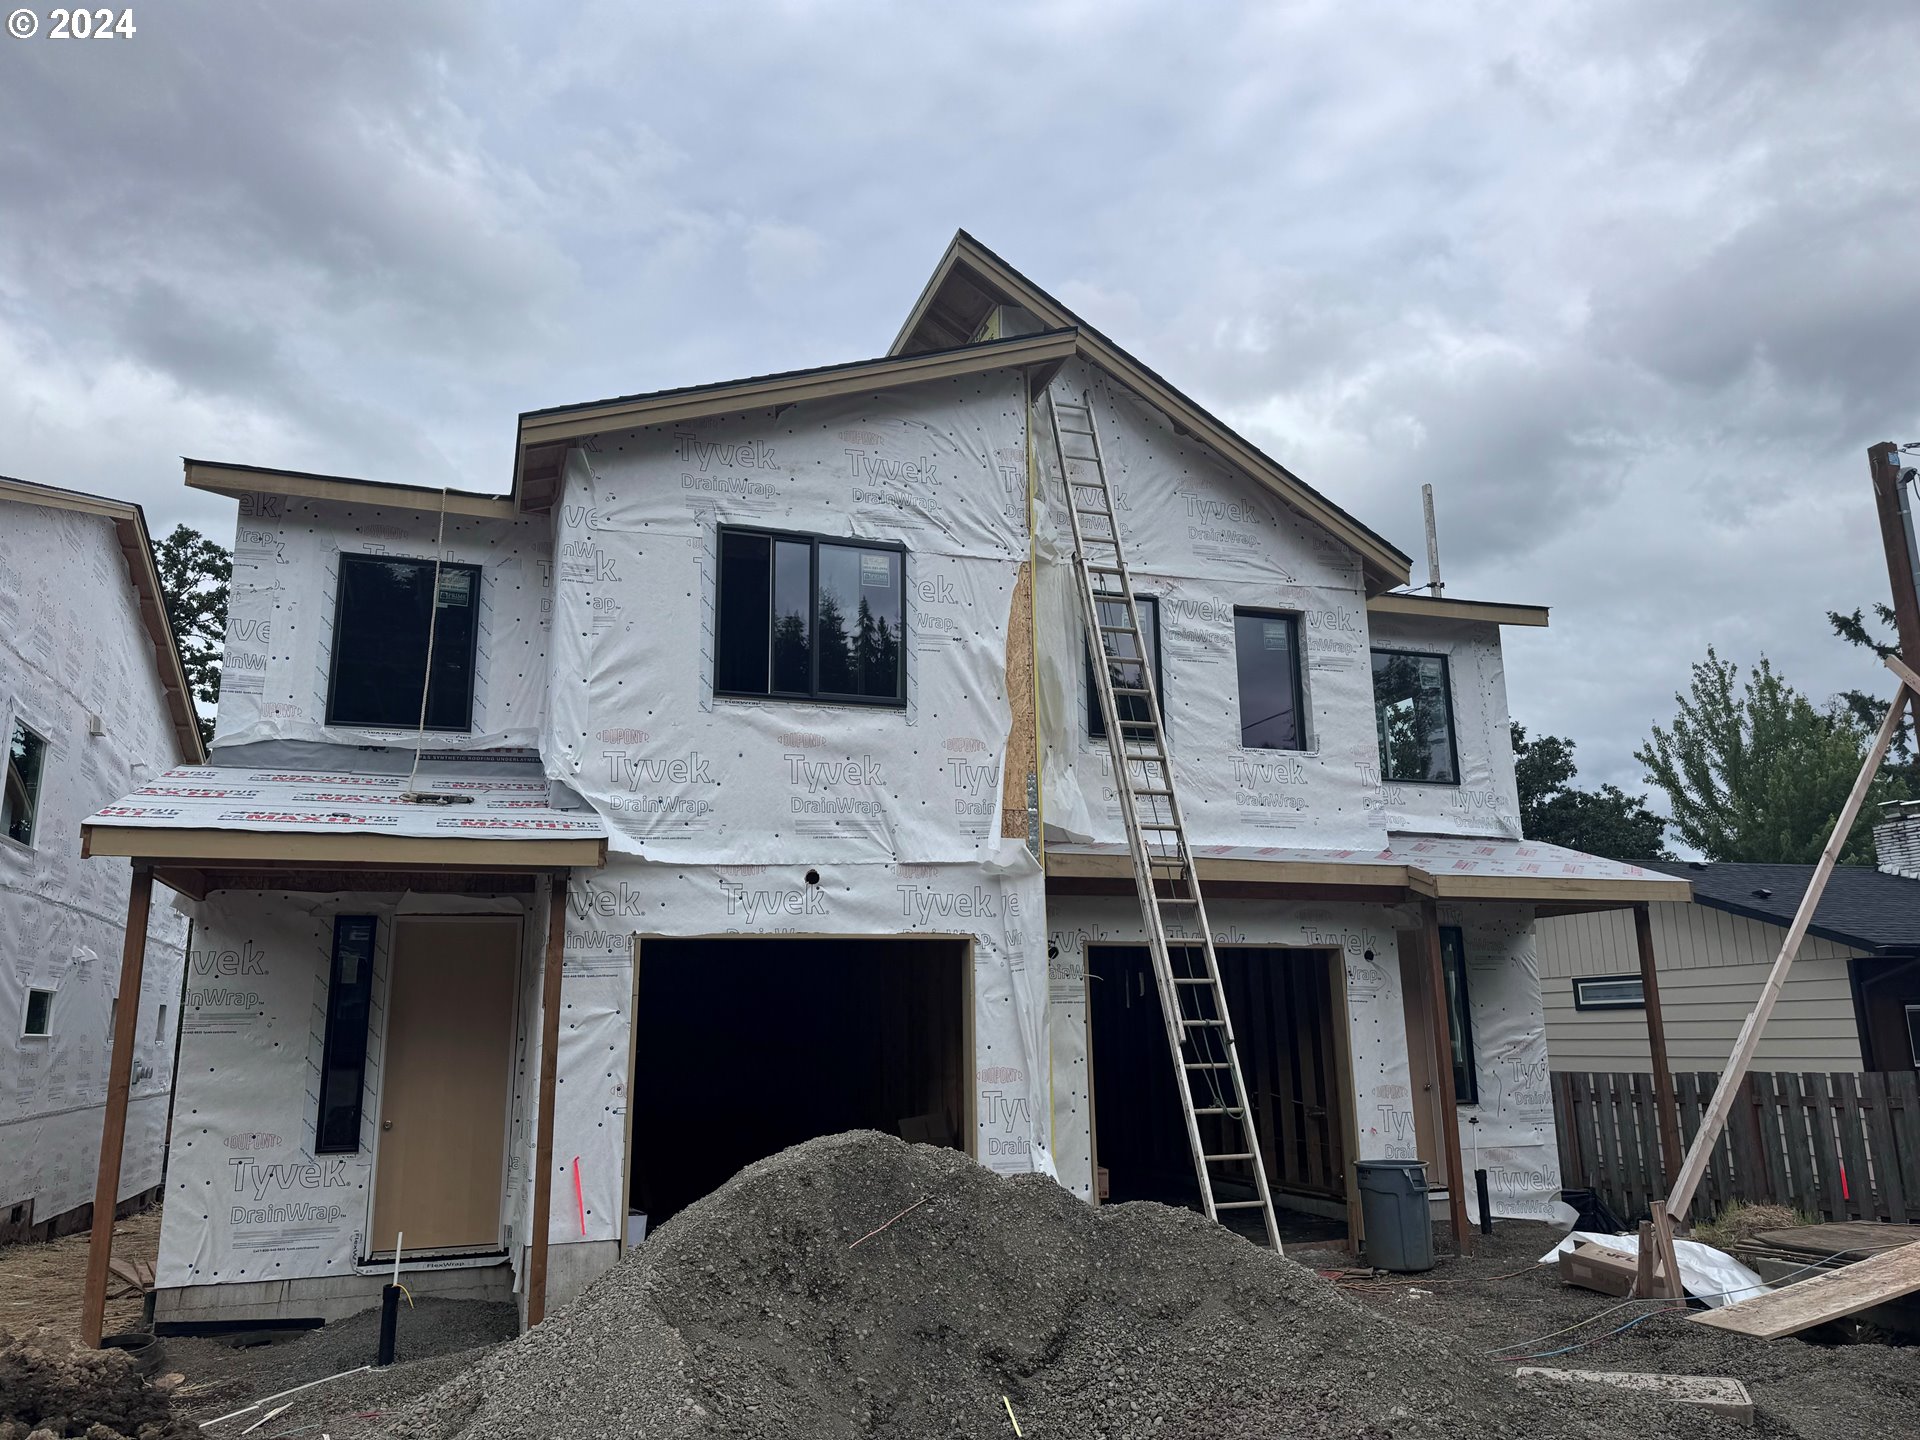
{"x":113,"y":1129}
{"x":1484,"y":612}
{"x":549,"y":1067}
{"x":1666,"y":1106}
{"x":266,"y":850}
{"x":1443,"y":1080}
{"x":1883,"y":460}
{"x":1721,"y":1106}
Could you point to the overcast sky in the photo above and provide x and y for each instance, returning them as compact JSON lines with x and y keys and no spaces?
{"x":1633,"y":287}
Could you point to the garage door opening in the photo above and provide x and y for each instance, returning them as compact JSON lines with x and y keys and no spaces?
{"x":1283,"y":1004}
{"x":743,"y":1047}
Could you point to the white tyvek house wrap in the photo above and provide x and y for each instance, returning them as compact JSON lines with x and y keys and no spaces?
{"x":682,"y":776}
{"x":1514,"y":1139}
{"x":247,"y":1198}
{"x":279,"y":648}
{"x":1203,"y":540}
{"x":71,"y":645}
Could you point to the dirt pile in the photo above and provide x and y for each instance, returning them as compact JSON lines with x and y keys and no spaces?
{"x":786,"y":1305}
{"x":51,"y":1387}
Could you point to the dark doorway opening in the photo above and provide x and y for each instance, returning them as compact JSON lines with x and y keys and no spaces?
{"x":742,"y":1047}
{"x":1283,"y":1007}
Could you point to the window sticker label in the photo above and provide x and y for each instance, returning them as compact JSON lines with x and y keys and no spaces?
{"x":456,"y":587}
{"x":1277,"y":634}
{"x":875,"y":571}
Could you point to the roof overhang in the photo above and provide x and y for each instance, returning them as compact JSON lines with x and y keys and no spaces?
{"x":136,"y":548}
{"x":545,"y":435}
{"x":241,"y":481}
{"x":1432,"y":607}
{"x":970,"y":280}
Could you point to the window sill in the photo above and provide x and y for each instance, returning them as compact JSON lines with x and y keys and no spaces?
{"x":837,"y":702}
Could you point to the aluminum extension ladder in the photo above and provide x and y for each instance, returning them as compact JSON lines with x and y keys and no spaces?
{"x":1193,"y":1002}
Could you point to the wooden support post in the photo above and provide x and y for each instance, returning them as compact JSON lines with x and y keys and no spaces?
{"x":1665,"y":1105}
{"x":1443,"y":1079}
{"x":113,"y":1129}
{"x":549,"y":1067}
{"x":1666,"y":1256}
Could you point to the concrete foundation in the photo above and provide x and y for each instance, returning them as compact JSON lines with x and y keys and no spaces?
{"x":329,"y":1297}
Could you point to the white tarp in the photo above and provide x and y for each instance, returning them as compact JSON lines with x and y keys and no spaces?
{"x":1711,"y":1276}
{"x":71,"y":647}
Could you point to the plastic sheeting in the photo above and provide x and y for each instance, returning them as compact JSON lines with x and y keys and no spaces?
{"x":72,"y":646}
{"x":1509,"y":1132}
{"x":286,"y":561}
{"x":1711,"y":1276}
{"x":1203,"y":541}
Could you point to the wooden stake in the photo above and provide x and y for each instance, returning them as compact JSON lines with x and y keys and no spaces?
{"x":549,"y":1066}
{"x":1667,"y":1257}
{"x":113,"y":1128}
{"x":1443,"y":1080}
{"x":1665,"y":1105}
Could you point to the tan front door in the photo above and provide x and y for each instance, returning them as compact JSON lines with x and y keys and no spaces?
{"x":443,"y":1102}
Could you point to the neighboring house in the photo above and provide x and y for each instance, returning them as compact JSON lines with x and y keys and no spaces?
{"x":92,"y":702}
{"x":1851,"y":1001}
{"x":739,"y":771}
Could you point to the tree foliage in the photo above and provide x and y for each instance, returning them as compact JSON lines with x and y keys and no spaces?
{"x":195,"y":575}
{"x":1607,"y":821}
{"x":1754,"y":771}
{"x":1869,"y":710}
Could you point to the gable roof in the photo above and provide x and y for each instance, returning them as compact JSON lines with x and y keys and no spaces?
{"x":1865,"y":908}
{"x":136,"y":547}
{"x":970,"y":280}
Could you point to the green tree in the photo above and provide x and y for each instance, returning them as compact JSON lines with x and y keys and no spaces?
{"x":1607,"y":821}
{"x":1754,"y":771}
{"x":1868,"y":709}
{"x":195,"y":576}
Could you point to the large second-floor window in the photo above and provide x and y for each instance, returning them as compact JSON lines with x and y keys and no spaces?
{"x":808,"y":618}
{"x":1266,"y":647}
{"x":1413,"y":708}
{"x":392,"y":625}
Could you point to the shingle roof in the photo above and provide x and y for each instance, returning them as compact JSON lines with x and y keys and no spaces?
{"x":1861,"y":906}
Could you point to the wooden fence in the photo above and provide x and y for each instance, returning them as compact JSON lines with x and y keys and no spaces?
{"x":1837,"y":1146}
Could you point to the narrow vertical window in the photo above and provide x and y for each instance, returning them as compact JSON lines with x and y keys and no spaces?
{"x":1413,"y":709}
{"x":343,"y":1055}
{"x":39,"y":1016}
{"x":26,"y":755}
{"x":1121,"y":669}
{"x":1266,"y":649}
{"x":1453,"y":967}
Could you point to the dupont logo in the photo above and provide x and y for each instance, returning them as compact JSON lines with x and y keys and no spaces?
{"x":801,"y":740}
{"x":1003,"y":1075}
{"x":254,"y":1140}
{"x":964,"y":744}
{"x":619,"y":736}
{"x":861,"y":437}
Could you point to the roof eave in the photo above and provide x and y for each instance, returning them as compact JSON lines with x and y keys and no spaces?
{"x":1438,"y":607}
{"x":239,"y":481}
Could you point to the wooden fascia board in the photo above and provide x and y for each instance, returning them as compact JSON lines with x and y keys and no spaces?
{"x":927,"y":295}
{"x":570,"y":425}
{"x":1481,"y":611}
{"x":1322,"y":874}
{"x":235,"y":481}
{"x":238,"y":849}
{"x":1558,"y":888}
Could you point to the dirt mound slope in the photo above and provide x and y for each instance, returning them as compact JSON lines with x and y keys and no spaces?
{"x":778,"y":1307}
{"x":50,"y":1386}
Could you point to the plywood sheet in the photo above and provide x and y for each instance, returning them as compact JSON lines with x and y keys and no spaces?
{"x":1839,"y":1293}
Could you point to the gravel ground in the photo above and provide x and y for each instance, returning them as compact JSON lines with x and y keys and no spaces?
{"x":1497,"y":1297}
{"x":858,"y":1286}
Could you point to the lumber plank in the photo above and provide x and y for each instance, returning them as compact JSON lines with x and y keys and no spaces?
{"x":1903,"y":1109}
{"x":1831,"y":1296}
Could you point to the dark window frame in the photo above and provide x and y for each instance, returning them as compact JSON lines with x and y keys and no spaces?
{"x":1446,"y":693}
{"x":1580,"y":1003}
{"x":340,"y":1032}
{"x":1096,"y":722}
{"x":46,"y":1014}
{"x":1294,"y":648}
{"x":30,"y":791}
{"x":814,"y":695}
{"x":1466,"y":1070}
{"x":473,"y":646}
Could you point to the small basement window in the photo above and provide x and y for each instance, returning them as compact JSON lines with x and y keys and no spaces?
{"x":26,"y":756}
{"x":1266,"y":646}
{"x":386,"y":612}
{"x":1413,"y":709}
{"x":39,"y":1016}
{"x":803,"y":617}
{"x":343,"y":1054}
{"x":1132,"y":708}
{"x":1609,"y":992}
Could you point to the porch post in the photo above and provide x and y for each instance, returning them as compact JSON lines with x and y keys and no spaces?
{"x":1663,"y":1098}
{"x":1443,"y":1078}
{"x":549,"y":1064}
{"x":113,"y":1129}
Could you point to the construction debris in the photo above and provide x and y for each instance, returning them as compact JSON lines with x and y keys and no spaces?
{"x":860,"y":1286}
{"x":52,"y":1387}
{"x":1833,"y":1295}
{"x":1712,"y":1392}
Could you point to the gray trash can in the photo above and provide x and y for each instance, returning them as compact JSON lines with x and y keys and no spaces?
{"x":1393,"y":1206}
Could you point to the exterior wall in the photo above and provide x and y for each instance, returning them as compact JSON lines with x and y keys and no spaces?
{"x":273,"y":684}
{"x":1203,"y":540}
{"x":1712,"y":965}
{"x":72,"y":646}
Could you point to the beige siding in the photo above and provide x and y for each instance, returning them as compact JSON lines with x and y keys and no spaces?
{"x":1712,"y":966}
